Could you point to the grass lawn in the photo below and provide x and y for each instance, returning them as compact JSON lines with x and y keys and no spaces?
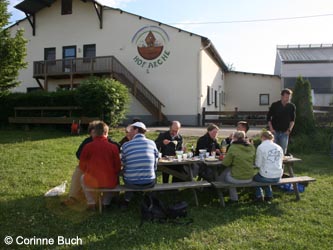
{"x":32,"y":162}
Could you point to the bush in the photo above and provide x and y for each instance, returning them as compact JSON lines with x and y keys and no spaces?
{"x":104,"y":97}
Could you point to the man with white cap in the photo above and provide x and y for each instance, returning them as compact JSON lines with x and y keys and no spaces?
{"x":139,"y":157}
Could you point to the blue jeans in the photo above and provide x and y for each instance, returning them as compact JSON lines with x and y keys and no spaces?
{"x":267,"y":189}
{"x":281,"y":138}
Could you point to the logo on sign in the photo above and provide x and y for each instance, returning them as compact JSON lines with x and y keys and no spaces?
{"x":151,"y":43}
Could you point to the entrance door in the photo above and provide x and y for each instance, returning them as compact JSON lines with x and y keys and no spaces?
{"x":68,"y":54}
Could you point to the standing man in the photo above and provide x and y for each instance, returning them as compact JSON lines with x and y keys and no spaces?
{"x":168,"y":143}
{"x":100,"y":164}
{"x":281,"y":119}
{"x":139,"y":157}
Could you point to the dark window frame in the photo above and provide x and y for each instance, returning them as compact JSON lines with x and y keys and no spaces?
{"x":66,"y":7}
{"x":86,"y":58}
{"x":47,"y":54}
{"x":261,"y":101}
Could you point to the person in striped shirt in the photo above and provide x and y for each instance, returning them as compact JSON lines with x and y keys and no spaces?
{"x":139,"y":157}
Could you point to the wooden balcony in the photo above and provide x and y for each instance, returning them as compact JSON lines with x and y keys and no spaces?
{"x":66,"y":68}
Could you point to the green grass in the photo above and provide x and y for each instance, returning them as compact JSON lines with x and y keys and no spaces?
{"x":32,"y":162}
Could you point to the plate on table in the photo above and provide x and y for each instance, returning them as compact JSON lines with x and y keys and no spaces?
{"x":165,"y":161}
{"x":211,"y":159}
{"x":193,"y":159}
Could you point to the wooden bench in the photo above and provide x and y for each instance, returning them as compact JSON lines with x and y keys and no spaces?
{"x":292,"y":180}
{"x":49,"y":115}
{"x":157,"y":187}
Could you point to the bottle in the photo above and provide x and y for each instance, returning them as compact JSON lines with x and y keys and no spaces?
{"x":192,"y":150}
{"x":213,"y":150}
{"x":224,"y":146}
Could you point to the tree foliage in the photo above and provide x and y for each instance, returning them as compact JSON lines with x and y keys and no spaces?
{"x":12,"y":52}
{"x":305,"y":122}
{"x":104,"y":97}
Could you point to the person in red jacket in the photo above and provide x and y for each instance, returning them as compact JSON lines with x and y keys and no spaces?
{"x":100,"y":164}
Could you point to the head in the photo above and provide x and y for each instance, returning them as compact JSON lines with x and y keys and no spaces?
{"x":213,"y":130}
{"x":138,"y":128}
{"x":91,"y":127}
{"x":101,"y":129}
{"x":267,"y":135}
{"x":238,"y":136}
{"x":286,"y":95}
{"x":242,"y":126}
{"x":174,"y":128}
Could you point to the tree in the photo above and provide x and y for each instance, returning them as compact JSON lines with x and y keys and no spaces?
{"x":305,"y":123}
{"x":104,"y":97}
{"x":12,"y":52}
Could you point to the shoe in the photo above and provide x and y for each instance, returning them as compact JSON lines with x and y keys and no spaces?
{"x":69,"y":202}
{"x":124,"y":205}
{"x":91,"y":208}
{"x":259,"y":199}
{"x":268,"y":199}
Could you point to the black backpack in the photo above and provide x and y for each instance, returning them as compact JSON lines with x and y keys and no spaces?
{"x":153,"y":209}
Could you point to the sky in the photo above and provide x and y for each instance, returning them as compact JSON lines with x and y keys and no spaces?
{"x":245,"y":46}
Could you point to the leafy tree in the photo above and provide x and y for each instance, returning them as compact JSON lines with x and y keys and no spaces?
{"x":305,"y":123}
{"x":104,"y":97}
{"x":12,"y":52}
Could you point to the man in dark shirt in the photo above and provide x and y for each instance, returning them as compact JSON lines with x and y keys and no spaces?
{"x":281,"y":119}
{"x":168,"y":143}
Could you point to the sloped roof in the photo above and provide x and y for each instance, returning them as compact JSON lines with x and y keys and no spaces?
{"x":33,"y":6}
{"x":306,"y":53}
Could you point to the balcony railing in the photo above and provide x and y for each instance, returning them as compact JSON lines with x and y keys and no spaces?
{"x":64,"y":67}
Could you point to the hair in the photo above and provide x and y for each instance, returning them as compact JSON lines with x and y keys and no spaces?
{"x":239,"y":135}
{"x":140,"y":130}
{"x":267,"y":135}
{"x":244,"y":124}
{"x":286,"y":91}
{"x":101,"y":129}
{"x":136,"y":119}
{"x":175,"y":122}
{"x":92,"y":125}
{"x":211,"y":127}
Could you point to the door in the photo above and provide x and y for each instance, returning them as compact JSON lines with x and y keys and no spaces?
{"x":68,"y":54}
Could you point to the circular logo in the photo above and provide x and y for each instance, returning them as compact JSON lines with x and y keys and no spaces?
{"x":150,"y":42}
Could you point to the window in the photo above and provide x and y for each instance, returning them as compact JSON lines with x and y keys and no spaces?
{"x":264,"y":99}
{"x":208,"y":95}
{"x":89,"y":51}
{"x":68,"y":55}
{"x":215,"y":98}
{"x":50,"y":55}
{"x":66,"y":7}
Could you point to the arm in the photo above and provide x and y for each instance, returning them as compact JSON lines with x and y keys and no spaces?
{"x":258,"y":161}
{"x":83,"y":164}
{"x":160,"y":141}
{"x":269,"y":119}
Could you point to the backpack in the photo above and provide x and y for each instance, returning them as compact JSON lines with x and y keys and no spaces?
{"x":153,"y":209}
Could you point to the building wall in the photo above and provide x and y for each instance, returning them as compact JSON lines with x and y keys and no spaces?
{"x":306,"y":69}
{"x":243,"y":90}
{"x":212,"y":76}
{"x":174,"y":82}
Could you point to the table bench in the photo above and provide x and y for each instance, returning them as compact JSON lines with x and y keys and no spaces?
{"x":292,"y":180}
{"x":49,"y":115}
{"x":157,"y":187}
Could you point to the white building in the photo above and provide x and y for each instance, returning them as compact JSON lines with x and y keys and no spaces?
{"x":312,"y":62}
{"x":172,"y":73}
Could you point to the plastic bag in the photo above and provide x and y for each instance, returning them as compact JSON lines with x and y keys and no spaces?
{"x":58,"y":190}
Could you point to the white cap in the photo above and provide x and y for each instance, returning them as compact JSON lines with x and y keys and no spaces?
{"x":139,"y":125}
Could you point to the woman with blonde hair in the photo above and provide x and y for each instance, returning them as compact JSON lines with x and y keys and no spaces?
{"x":269,"y":159}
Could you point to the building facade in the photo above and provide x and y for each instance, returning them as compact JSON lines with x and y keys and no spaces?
{"x":312,"y":62}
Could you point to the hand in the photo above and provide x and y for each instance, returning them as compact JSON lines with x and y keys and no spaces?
{"x":166,"y":141}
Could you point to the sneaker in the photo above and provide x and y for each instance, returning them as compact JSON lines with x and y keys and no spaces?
{"x":70,"y":202}
{"x":259,"y":199}
{"x":268,"y":199}
{"x":91,"y":207}
{"x":124,"y":205}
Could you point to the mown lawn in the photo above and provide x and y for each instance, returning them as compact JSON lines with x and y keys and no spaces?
{"x":32,"y":162}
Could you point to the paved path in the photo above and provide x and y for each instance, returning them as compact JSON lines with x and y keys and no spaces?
{"x":199,"y":131}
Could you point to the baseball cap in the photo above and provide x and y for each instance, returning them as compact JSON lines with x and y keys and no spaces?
{"x":139,"y":125}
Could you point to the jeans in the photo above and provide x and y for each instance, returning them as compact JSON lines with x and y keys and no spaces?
{"x":128,"y":195}
{"x":281,"y":138}
{"x":267,"y":189}
{"x":226,"y":176}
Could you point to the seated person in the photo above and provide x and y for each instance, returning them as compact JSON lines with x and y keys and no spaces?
{"x":239,"y":162}
{"x":100,"y":164}
{"x":128,"y":136}
{"x":241,"y":126}
{"x":139,"y":157}
{"x":165,"y":142}
{"x":209,"y":140}
{"x":269,"y":160}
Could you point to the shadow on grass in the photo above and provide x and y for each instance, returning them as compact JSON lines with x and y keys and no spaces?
{"x":45,"y":217}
